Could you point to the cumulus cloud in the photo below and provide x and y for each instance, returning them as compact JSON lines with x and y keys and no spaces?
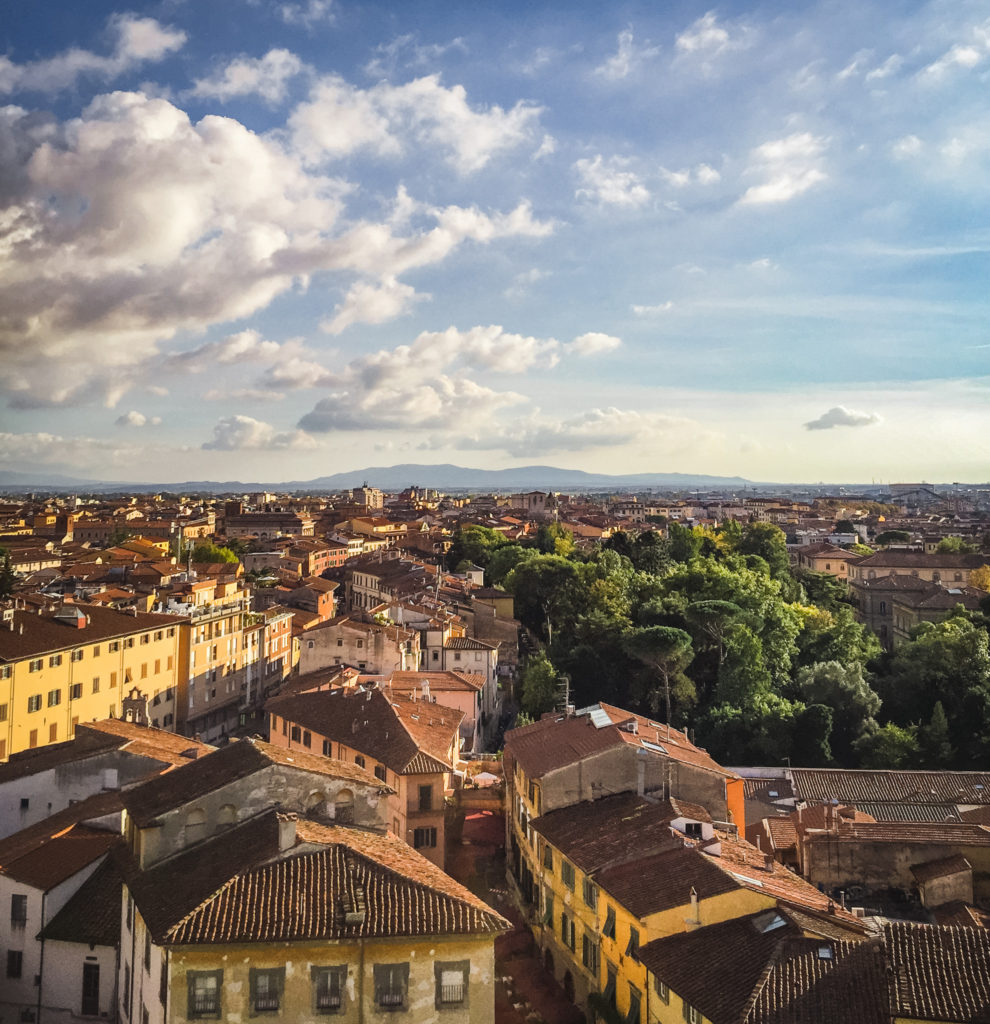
{"x":368,"y":303}
{"x":73,"y":453}
{"x":609,"y":183}
{"x":426,"y":385}
{"x":839,"y":416}
{"x":593,"y":344}
{"x":703,"y":174}
{"x":136,"y":40}
{"x":790,"y":166}
{"x":137,"y":419}
{"x":131,"y":223}
{"x":628,"y":57}
{"x":962,"y":55}
{"x":237,"y":433}
{"x":267,"y":77}
{"x":244,"y":346}
{"x":339,"y":119}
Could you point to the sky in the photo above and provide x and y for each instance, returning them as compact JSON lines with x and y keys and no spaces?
{"x":243,"y":239}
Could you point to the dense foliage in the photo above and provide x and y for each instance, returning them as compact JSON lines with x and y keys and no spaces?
{"x":762,"y":662}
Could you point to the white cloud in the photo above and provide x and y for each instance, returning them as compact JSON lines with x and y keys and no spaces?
{"x":137,"y":419}
{"x":426,"y":385}
{"x":522,"y":283}
{"x":607,"y":182}
{"x":307,"y":14}
{"x":137,"y":40}
{"x":889,"y":67}
{"x":132,"y":224}
{"x":663,"y":307}
{"x":908,"y":146}
{"x":703,"y":174}
{"x":339,"y":119}
{"x":627,"y":59}
{"x":267,"y":77}
{"x":236,"y":433}
{"x":242,"y":395}
{"x":367,"y":303}
{"x":790,"y":166}
{"x":839,"y":416}
{"x":593,"y":343}
{"x":244,"y":346}
{"x":407,"y":51}
{"x":706,"y":40}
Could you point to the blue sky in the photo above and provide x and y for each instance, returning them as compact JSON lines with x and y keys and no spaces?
{"x":272,"y":240}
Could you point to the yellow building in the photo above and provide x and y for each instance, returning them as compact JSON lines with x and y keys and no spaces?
{"x":285,"y":919}
{"x":76,"y":664}
{"x":619,"y":872}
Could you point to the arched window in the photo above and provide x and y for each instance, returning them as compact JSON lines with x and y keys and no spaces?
{"x":195,"y":825}
{"x":227,"y":816}
{"x":315,"y":802}
{"x":343,"y":807}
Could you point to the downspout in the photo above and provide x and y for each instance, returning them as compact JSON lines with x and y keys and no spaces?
{"x":361,"y":982}
{"x":168,"y":982}
{"x":41,"y":962}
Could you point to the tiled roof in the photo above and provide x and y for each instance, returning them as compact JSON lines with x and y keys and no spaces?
{"x":961,"y":914}
{"x":940,"y":868}
{"x":47,"y":862}
{"x":557,"y":741}
{"x":599,"y":833}
{"x":940,"y":973}
{"x":439,"y":681}
{"x":894,"y":559}
{"x":467,"y":643}
{"x":880,"y":811}
{"x":229,"y":889}
{"x":237,"y":760}
{"x":44,"y":633}
{"x":95,"y":809}
{"x":394,"y":729}
{"x":92,"y":915}
{"x":947,"y":833}
{"x":820,"y":785}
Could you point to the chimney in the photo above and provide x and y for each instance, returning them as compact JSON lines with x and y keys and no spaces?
{"x":286,"y":832}
{"x":767,"y":862}
{"x":694,"y":921}
{"x":426,"y":689}
{"x":640,"y":777}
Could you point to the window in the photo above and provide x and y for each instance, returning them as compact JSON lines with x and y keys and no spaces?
{"x":548,"y":908}
{"x":609,"y":992}
{"x":76,"y":656}
{"x":15,"y":963}
{"x":327,"y":748}
{"x":548,"y":857}
{"x":567,"y":930}
{"x":54,"y":698}
{"x":661,"y":989}
{"x":91,"y":990}
{"x":55,"y":660}
{"x":567,"y":873}
{"x":381,"y":773}
{"x":53,"y":732}
{"x":426,"y":798}
{"x":340,"y":643}
{"x":296,"y":734}
{"x":691,"y":1015}
{"x":590,"y":952}
{"x":170,"y":631}
{"x":267,"y":984}
{"x":635,"y":999}
{"x":145,"y":638}
{"x":391,"y":986}
{"x":883,"y":606}
{"x":632,"y":949}
{"x":307,"y":738}
{"x":37,"y":665}
{"x":96,"y":651}
{"x":328,"y":988}
{"x":18,"y":909}
{"x":3,"y":712}
{"x":129,"y":642}
{"x":359,"y":760}
{"x":5,"y":671}
{"x":424,"y":837}
{"x":75,"y":691}
{"x":203,"y":988}
{"x":127,"y":990}
{"x":113,"y":646}
{"x":692,"y":829}
{"x":451,"y":983}
{"x":590,"y":893}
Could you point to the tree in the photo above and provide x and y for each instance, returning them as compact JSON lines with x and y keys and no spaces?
{"x":8,"y":578}
{"x":668,"y":651}
{"x":714,"y":619}
{"x":890,"y":746}
{"x":207,"y":552}
{"x":767,"y":541}
{"x":540,"y":685}
{"x":544,"y":586}
{"x":503,"y":560}
{"x":554,"y":539}
{"x":812,"y":732}
{"x":742,"y":675}
{"x":980,"y":578}
{"x":935,"y":745}
{"x":955,"y":546}
{"x":685,"y":543}
{"x":473,"y":544}
{"x":119,"y":535}
{"x":843,"y":688}
{"x":650,"y":552}
{"x":889,"y":537}
{"x":845,"y":526}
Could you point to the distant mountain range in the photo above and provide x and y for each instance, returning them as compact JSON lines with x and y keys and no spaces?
{"x":392,"y":478}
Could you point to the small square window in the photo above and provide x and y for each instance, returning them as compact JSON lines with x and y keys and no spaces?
{"x":452,"y":983}
{"x":204,"y":988}
{"x":267,"y":984}
{"x":329,"y":984}
{"x":15,"y":963}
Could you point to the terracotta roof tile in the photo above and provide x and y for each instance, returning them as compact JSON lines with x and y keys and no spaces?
{"x":92,"y":915}
{"x":48,"y":863}
{"x":820,"y":785}
{"x":940,"y":868}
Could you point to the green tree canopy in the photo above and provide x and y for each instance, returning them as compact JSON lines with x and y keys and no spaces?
{"x":207,"y":552}
{"x":668,"y":652}
{"x":854,"y":705}
{"x":540,"y":685}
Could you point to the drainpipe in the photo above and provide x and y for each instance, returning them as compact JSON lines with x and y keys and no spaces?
{"x":361,"y":982}
{"x":41,"y":962}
